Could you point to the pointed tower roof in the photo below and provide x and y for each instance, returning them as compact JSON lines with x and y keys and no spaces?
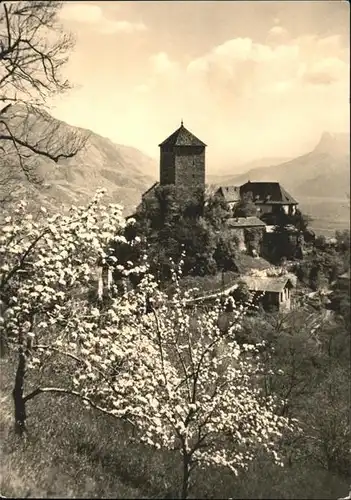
{"x":182,"y":137}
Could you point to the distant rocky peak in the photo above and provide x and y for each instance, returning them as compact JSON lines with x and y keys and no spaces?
{"x":334,"y":144}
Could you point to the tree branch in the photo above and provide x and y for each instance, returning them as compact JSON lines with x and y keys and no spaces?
{"x":159,"y":341}
{"x":23,"y":258}
{"x":33,"y":50}
{"x":81,"y":361}
{"x":60,"y":390}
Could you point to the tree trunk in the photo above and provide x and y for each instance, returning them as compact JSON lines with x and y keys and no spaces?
{"x":3,"y":345}
{"x":17,"y":394}
{"x":186,"y":476}
{"x":3,"y":339}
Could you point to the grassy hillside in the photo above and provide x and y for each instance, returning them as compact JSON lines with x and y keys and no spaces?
{"x":73,"y":452}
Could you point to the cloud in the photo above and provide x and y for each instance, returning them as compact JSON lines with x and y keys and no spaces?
{"x":237,"y":48}
{"x":240,"y":68}
{"x":82,"y":13}
{"x":240,"y":72}
{"x":278,"y":87}
{"x":164,"y":72}
{"x":111,"y":27}
{"x":143,"y":88}
{"x":243,"y":69}
{"x":161,"y":63}
{"x":93,"y":15}
{"x":325,"y":72}
{"x":242,"y":97}
{"x":278,"y":31}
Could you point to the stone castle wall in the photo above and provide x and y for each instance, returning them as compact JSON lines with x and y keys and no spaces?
{"x":190,"y":166}
{"x":167,"y":167}
{"x":183,"y":166}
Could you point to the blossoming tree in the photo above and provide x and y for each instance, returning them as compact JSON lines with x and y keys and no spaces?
{"x":199,"y":391}
{"x":48,"y":269}
{"x":136,"y":354}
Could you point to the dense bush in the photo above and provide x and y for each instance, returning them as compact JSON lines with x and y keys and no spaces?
{"x":175,"y":220}
{"x":322,"y":266}
{"x":253,"y":239}
{"x":307,"y":360}
{"x":246,"y":206}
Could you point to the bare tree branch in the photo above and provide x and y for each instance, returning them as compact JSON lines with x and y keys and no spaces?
{"x":33,"y":51}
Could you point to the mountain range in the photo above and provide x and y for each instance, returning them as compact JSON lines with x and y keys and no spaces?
{"x":319,"y":179}
{"x":227,"y":171}
{"x":322,"y":172}
{"x":125,"y":172}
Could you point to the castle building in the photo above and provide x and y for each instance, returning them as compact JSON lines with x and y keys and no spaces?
{"x":182,"y":160}
{"x":269,"y":197}
{"x":182,"y":164}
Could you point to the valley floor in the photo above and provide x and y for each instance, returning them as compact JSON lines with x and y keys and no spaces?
{"x":328,"y":214}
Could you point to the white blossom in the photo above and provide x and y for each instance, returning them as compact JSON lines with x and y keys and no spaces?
{"x":171,"y":372}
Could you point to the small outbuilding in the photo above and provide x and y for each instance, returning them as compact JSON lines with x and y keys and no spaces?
{"x":273,"y":291}
{"x":344,"y":279}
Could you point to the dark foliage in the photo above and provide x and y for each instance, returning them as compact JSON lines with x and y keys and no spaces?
{"x":246,"y":207}
{"x":306,"y":358}
{"x":176,"y":220}
{"x":324,"y":264}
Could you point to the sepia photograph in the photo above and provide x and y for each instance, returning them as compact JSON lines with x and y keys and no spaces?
{"x":175,"y":249}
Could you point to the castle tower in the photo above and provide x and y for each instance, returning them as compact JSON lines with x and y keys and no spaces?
{"x":182,"y":160}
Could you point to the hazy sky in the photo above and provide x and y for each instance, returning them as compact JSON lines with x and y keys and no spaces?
{"x":251,"y":79}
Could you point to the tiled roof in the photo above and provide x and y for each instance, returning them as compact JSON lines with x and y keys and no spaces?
{"x":182,"y":137}
{"x":267,"y":284}
{"x":286,"y":197}
{"x":268,"y":192}
{"x":230,"y":193}
{"x":210,"y":190}
{"x":152,"y":188}
{"x":245,"y":222}
{"x":345,"y":275}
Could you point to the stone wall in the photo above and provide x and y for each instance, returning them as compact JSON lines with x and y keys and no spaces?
{"x":240,"y":236}
{"x":190,"y":166}
{"x":183,"y":166}
{"x":167,"y":167}
{"x":254,"y":239}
